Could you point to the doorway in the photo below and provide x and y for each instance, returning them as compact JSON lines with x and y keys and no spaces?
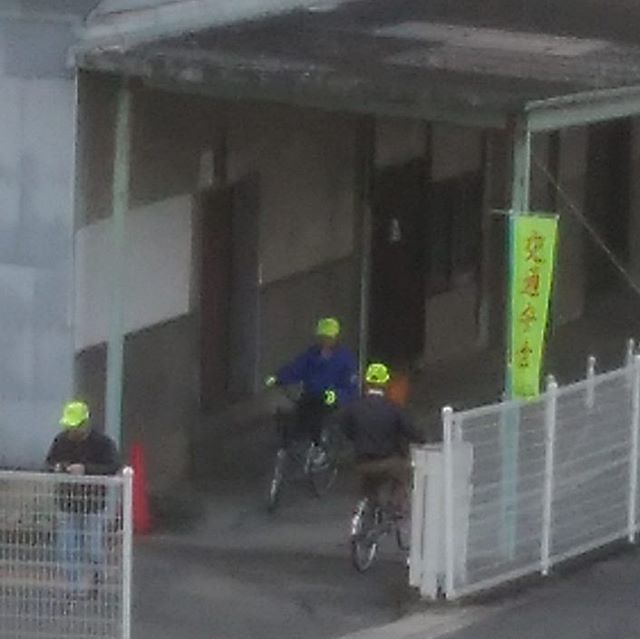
{"x":229,"y":293}
{"x":397,"y":316}
{"x":608,"y":199}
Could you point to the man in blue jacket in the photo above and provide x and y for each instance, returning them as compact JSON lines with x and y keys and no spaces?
{"x":328,"y":374}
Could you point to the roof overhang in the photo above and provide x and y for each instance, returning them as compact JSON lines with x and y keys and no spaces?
{"x":581,"y":109}
{"x":405,"y":59}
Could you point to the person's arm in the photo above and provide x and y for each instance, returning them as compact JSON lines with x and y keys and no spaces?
{"x":346,"y":385}
{"x":108,"y":461}
{"x":54,"y":455}
{"x":295,"y":371}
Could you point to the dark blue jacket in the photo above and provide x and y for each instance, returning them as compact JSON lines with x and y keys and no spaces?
{"x":318,"y":374}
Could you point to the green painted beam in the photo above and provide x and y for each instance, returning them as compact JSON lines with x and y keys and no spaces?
{"x":581,"y":109}
{"x":115,"y":344}
{"x":510,"y":423}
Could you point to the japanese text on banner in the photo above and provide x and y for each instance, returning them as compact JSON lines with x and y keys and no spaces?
{"x":534,"y":240}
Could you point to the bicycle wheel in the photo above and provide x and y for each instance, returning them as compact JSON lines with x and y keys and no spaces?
{"x":364,"y":536}
{"x":277,"y":480}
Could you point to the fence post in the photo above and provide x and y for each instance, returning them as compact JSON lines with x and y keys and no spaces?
{"x":449,"y":546}
{"x":127,"y":551}
{"x":631,"y":349}
{"x":633,"y":454}
{"x":591,"y":379}
{"x":551,"y":404}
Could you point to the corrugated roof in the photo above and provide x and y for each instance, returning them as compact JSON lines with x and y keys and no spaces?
{"x":412,"y":57}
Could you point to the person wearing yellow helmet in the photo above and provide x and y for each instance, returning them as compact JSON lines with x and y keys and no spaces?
{"x":78,"y":450}
{"x":380,"y":433}
{"x":327,"y":372}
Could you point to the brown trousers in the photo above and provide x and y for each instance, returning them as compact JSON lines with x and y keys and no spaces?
{"x":375,"y":474}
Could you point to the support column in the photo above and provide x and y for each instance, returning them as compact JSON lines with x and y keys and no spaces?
{"x":520,"y":194}
{"x":520,"y":200}
{"x":365,"y":150}
{"x":120,"y":203}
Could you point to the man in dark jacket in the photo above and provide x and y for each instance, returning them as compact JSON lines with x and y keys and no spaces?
{"x":381,"y":434}
{"x":328,"y":374}
{"x":79,"y":451}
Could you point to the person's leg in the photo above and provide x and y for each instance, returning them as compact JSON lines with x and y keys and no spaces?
{"x":399,"y":469}
{"x":68,"y":548}
{"x":94,"y":544}
{"x":318,"y":415}
{"x":370,"y":480}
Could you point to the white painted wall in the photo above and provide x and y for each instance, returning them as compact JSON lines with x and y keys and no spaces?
{"x":158,"y":270}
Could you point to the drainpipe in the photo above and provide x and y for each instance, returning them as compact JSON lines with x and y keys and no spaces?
{"x":117,"y":267}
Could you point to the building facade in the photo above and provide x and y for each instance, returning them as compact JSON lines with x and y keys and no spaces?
{"x":250,"y":212}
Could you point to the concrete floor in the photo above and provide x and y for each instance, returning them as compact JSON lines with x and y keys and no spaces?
{"x":243,"y":573}
{"x":595,"y":602}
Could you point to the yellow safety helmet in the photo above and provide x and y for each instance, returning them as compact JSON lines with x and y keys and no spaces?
{"x":74,"y":415}
{"x":328,"y":327}
{"x":377,"y":374}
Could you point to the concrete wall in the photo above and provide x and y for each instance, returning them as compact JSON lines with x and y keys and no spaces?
{"x":159,"y":396}
{"x":571,"y":280}
{"x":305,"y":164}
{"x":160,"y":377}
{"x":399,"y":141}
{"x":37,"y":129}
{"x":451,"y":328}
{"x":559,"y":167}
{"x":305,"y":161}
{"x":451,"y":317}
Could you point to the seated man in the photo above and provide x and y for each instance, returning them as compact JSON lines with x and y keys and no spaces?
{"x":380,"y":433}
{"x":80,"y":451}
{"x":327,"y":372}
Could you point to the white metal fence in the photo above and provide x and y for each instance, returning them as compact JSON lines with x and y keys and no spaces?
{"x":65,"y":556}
{"x":520,"y":486}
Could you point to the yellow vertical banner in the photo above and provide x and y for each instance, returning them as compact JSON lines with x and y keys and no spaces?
{"x":533,"y":254}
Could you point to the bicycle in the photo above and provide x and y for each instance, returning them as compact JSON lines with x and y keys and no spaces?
{"x":297,"y":459}
{"x":372,"y":520}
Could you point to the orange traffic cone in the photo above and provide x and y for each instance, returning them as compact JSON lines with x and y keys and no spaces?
{"x":141,"y":510}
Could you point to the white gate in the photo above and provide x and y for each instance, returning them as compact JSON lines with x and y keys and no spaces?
{"x":65,"y":556}
{"x":519,"y":486}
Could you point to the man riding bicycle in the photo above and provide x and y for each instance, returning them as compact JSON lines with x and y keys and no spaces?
{"x":380,"y":433}
{"x":327,"y":372}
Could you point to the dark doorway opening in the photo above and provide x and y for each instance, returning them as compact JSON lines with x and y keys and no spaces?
{"x":608,"y":200}
{"x":229,"y":293}
{"x":215,"y":296}
{"x":397,"y":316}
{"x":455,"y":232}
